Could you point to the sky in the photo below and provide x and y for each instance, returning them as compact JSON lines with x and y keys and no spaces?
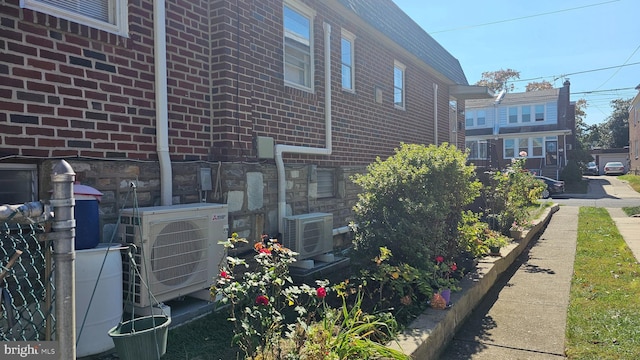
{"x":593,"y":43}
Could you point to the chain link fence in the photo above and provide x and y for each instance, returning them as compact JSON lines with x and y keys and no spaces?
{"x":27,"y":293}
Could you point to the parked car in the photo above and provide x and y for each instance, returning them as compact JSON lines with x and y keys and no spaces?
{"x":553,"y":186}
{"x":614,"y":168}
{"x":591,"y":169}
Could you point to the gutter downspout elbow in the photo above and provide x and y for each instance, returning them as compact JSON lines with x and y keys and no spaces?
{"x":162,"y":118}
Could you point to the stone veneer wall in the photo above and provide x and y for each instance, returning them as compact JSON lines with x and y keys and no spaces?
{"x":249,"y":189}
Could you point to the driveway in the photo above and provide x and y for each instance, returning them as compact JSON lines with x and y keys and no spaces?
{"x":604,"y":191}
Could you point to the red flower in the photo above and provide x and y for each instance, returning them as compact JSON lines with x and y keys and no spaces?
{"x":262,"y":300}
{"x":454,"y":267}
{"x":439,"y":259}
{"x":265,"y":251}
{"x":224,"y":275}
{"x":321,"y":292}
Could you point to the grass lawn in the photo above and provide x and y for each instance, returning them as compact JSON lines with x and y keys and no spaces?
{"x":633,"y":180}
{"x":603,"y":318}
{"x":207,"y":338}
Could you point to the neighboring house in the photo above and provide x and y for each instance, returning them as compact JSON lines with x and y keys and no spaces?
{"x":540,"y":123}
{"x":634,"y":134}
{"x":269,"y":106}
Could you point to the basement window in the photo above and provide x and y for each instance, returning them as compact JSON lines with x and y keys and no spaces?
{"x":107,"y":15}
{"x":18,"y":184}
{"x":326,"y":183}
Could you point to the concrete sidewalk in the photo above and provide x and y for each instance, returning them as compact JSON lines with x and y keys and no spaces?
{"x":524,"y":315}
{"x":629,"y":228}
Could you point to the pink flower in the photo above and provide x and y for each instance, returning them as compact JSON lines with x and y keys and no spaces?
{"x":224,"y":274}
{"x":454,"y":267}
{"x":321,"y":292}
{"x":523,"y":153}
{"x":262,"y":300}
{"x":439,"y":259}
{"x":265,"y":251}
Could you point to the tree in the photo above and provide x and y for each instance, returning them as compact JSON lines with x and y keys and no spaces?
{"x":542,"y":85}
{"x":497,"y":80}
{"x":581,"y":151}
{"x":617,"y":124}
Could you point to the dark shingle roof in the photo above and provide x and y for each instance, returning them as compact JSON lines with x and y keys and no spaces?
{"x":389,"y":19}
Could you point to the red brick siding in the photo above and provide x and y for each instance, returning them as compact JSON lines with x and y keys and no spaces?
{"x":70,"y":91}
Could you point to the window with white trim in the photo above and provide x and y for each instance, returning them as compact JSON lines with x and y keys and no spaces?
{"x":469,"y":119}
{"x":526,"y":114}
{"x":18,"y":183}
{"x":537,"y":144}
{"x":533,"y":146}
{"x":477,"y":149}
{"x":347,"y":58}
{"x":509,"y":148}
{"x":107,"y":15}
{"x":539,"y":112}
{"x":298,"y":45}
{"x":513,"y":115}
{"x":398,"y":85}
{"x":481,"y":117}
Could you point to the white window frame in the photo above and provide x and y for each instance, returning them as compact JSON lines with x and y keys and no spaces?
{"x":118,"y":17}
{"x":535,"y":112}
{"x":350,"y":64}
{"x":523,"y":144}
{"x":480,"y":150}
{"x":510,"y":115}
{"x":522,"y":118}
{"x":398,"y":67}
{"x":302,"y":42}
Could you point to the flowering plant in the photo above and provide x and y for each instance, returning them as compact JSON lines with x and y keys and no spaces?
{"x":521,"y":225}
{"x":445,"y":274}
{"x":264,"y":304}
{"x":258,"y":298}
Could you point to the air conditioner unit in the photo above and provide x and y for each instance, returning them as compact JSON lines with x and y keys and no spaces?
{"x":177,"y":250}
{"x":309,"y":234}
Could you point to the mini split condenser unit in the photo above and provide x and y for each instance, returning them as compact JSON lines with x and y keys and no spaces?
{"x":176,"y":250}
{"x":309,"y":234}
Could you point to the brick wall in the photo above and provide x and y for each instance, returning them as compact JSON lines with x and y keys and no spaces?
{"x":69,"y":91}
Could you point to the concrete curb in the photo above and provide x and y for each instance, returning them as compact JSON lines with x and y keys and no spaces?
{"x":429,"y":334}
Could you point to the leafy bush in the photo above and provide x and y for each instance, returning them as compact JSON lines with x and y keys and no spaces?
{"x":508,"y":194}
{"x":412,"y":203}
{"x":571,"y":173}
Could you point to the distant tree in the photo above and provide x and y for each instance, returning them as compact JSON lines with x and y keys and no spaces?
{"x":542,"y":85}
{"x":581,"y":151}
{"x":617,"y":124}
{"x":497,"y":80}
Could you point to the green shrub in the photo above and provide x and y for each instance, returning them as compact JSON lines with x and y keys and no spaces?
{"x":508,"y":195}
{"x":412,"y":204}
{"x":571,"y":174}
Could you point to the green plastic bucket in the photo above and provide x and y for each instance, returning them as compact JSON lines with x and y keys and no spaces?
{"x":143,"y":338}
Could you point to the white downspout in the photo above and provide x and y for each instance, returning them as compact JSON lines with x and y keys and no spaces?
{"x":162,"y":120}
{"x":280,"y":149}
{"x":435,"y":114}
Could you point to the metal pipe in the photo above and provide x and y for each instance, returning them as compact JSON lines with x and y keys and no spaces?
{"x":280,"y":149}
{"x":63,"y":202}
{"x":20,"y":212}
{"x":162,"y":117}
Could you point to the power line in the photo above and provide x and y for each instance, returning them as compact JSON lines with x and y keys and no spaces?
{"x":614,"y":74}
{"x":600,"y":91}
{"x":521,"y":18}
{"x":556,"y":77}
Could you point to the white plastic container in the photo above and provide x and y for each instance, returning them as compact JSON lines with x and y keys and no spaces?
{"x":105,"y":310}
